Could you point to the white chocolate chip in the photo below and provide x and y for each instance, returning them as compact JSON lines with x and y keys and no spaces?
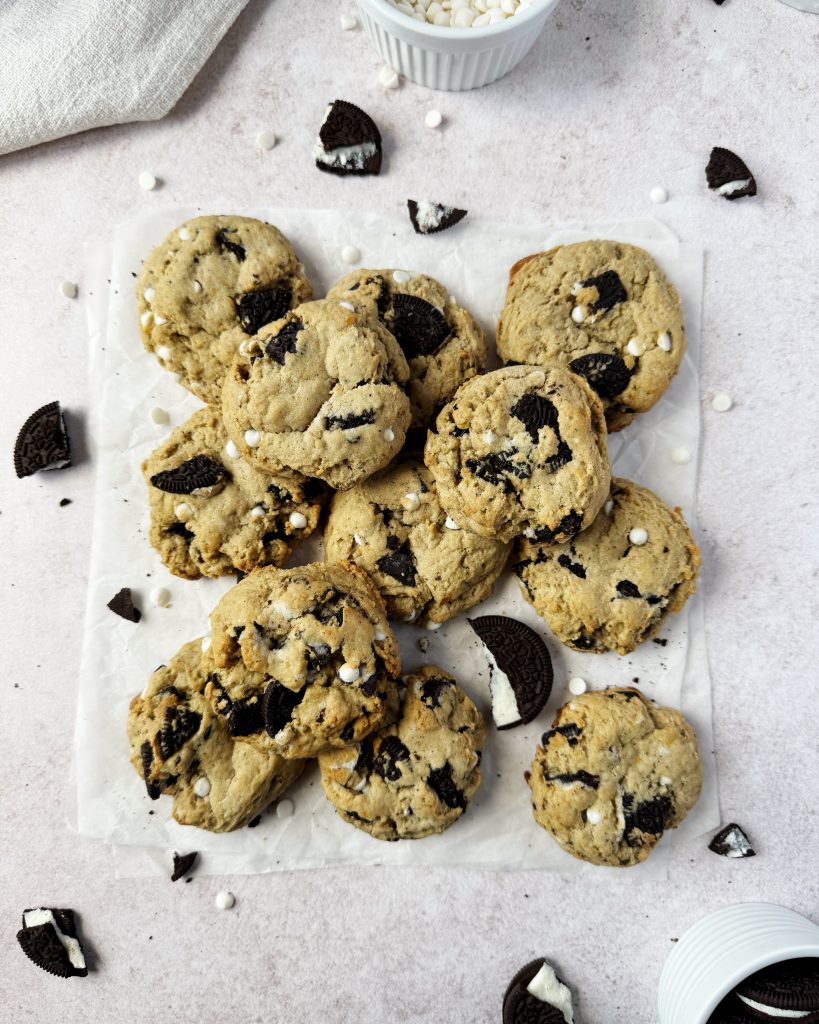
{"x":159,"y":415}
{"x":347,"y":305}
{"x":380,"y":634}
{"x":252,"y":438}
{"x":638,"y":536}
{"x":257,"y":511}
{"x":608,"y":508}
{"x":349,"y":673}
{"x":183,"y":511}
{"x":358,"y":538}
{"x":388,"y":77}
{"x":206,"y":642}
{"x":184,"y":234}
{"x":159,"y":320}
{"x":411,"y":501}
{"x":433,"y":118}
{"x":658,"y":194}
{"x":146,"y":318}
{"x":201,"y":787}
{"x":196,"y":287}
{"x":680,"y":455}
{"x":593,"y":817}
{"x":412,"y":616}
{"x":636,"y":347}
{"x":149,"y":294}
{"x":389,"y":435}
{"x":146,"y":181}
{"x":348,"y":22}
{"x":224,"y":900}
{"x":450,"y":524}
{"x":579,"y":314}
{"x":351,"y":254}
{"x":161,"y":597}
{"x":297,"y":520}
{"x":285,"y":808}
{"x":400,"y":276}
{"x":163,"y":353}
{"x":265,"y":140}
{"x":69,"y":289}
{"x":231,"y":450}
{"x":488,"y":436}
{"x":721,"y":402}
{"x":577,"y":686}
{"x":665,"y":780}
{"x":664,"y":342}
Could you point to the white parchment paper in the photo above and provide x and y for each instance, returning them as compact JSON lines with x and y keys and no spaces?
{"x":498,"y":831}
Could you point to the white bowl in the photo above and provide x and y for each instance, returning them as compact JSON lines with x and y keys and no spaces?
{"x":722,"y":949}
{"x":452,"y":58}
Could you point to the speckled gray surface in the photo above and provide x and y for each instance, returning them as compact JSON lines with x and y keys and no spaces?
{"x":615,"y":97}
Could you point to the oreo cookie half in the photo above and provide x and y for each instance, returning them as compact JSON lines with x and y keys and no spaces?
{"x":189,"y":476}
{"x":419,"y":327}
{"x":429,"y":218}
{"x":349,"y":141}
{"x":520,"y":669}
{"x":536,"y":995}
{"x":787,"y":991}
{"x":42,"y":442}
{"x":122,"y":604}
{"x":49,"y":939}
{"x":728,"y":175}
{"x":732,"y":841}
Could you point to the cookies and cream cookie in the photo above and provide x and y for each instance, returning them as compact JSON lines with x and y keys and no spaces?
{"x":613,"y":773}
{"x":605,"y":310}
{"x":521,"y":449}
{"x":443,"y":343}
{"x":415,"y":775}
{"x":211,"y":283}
{"x":426,"y":568}
{"x":612,"y":586}
{"x":319,"y":392}
{"x":213,"y":512}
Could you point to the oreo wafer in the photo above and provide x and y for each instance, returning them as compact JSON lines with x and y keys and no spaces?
{"x":536,"y":995}
{"x":189,"y":476}
{"x":520,"y":669}
{"x":349,"y":141}
{"x":787,"y":991}
{"x":732,"y":842}
{"x":42,"y":442}
{"x":728,"y":175}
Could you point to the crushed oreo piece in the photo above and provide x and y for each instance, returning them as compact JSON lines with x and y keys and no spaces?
{"x":224,"y":242}
{"x":282,"y":343}
{"x":610,"y":291}
{"x":263,"y":306}
{"x":42,"y":442}
{"x":649,"y":817}
{"x":568,"y":526}
{"x":245,"y":716}
{"x":122,"y":604}
{"x":349,"y":141}
{"x":146,"y":754}
{"x":391,"y":751}
{"x":535,"y":413}
{"x":189,"y":476}
{"x":732,"y":841}
{"x":442,"y":784}
{"x":728,"y":175}
{"x":520,"y":669}
{"x":419,"y":327}
{"x":179,"y":726}
{"x":49,"y":939}
{"x":625,"y":588}
{"x":351,"y":420}
{"x":570,"y":732}
{"x":182,"y":863}
{"x":278,"y":705}
{"x":431,"y":690}
{"x":575,"y":568}
{"x":400,"y":565}
{"x":496,"y":468}
{"x":180,"y":530}
{"x":428,"y":218}
{"x":537,"y":995}
{"x":607,"y":375}
{"x":567,"y":778}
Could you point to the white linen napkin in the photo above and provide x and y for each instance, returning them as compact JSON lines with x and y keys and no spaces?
{"x":69,"y":65}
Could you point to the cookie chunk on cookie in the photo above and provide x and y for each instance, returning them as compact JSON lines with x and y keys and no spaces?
{"x":605,"y":310}
{"x":319,"y":392}
{"x":426,"y":568}
{"x":213,"y":512}
{"x":521,"y":449}
{"x":613,"y":586}
{"x":213,"y":282}
{"x":416,"y":775}
{"x":613,"y":773}
{"x":443,"y":343}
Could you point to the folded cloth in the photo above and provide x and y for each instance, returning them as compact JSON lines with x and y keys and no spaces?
{"x":68,"y":65}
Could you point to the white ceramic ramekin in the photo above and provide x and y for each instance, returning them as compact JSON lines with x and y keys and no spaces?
{"x":716,"y":953}
{"x":452,"y":58}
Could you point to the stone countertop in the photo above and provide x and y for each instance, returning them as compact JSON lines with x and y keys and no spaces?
{"x":614,"y":98}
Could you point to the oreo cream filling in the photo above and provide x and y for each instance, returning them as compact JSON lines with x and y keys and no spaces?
{"x":548,"y":988}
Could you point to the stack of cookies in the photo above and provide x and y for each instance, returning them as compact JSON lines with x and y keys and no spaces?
{"x":373,"y":403}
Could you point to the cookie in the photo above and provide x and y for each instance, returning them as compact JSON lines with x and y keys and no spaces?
{"x":349,"y":141}
{"x":612,"y":774}
{"x":786,"y":991}
{"x":213,"y":512}
{"x":49,"y":939}
{"x":220,"y":778}
{"x":429,"y":218}
{"x":536,"y":995}
{"x":319,"y":393}
{"x":425,"y":567}
{"x":605,"y":310}
{"x":42,"y":442}
{"x":319,"y":638}
{"x":521,"y":448}
{"x":443,"y":343}
{"x":613,"y":586}
{"x":416,"y":774}
{"x":732,"y":842}
{"x":520,"y":669}
{"x":728,"y":175}
{"x":208,"y":286}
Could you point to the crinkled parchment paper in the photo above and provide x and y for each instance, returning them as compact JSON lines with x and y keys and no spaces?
{"x":498,"y":831}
